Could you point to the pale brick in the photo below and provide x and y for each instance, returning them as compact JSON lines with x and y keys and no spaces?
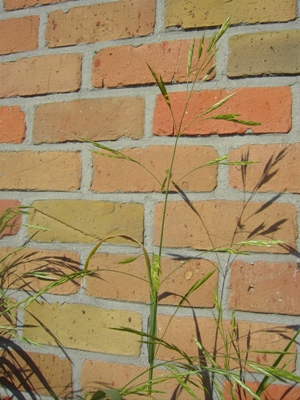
{"x":101,"y":22}
{"x":224,"y":222}
{"x":168,"y":59}
{"x":18,"y":4}
{"x":264,"y":53}
{"x":202,"y":13}
{"x":112,"y":175}
{"x":129,"y":282}
{"x":57,"y":73}
{"x":265,"y":287}
{"x":12,"y":41}
{"x":93,"y":119}
{"x":84,"y":327}
{"x":54,"y":263}
{"x":12,"y":125}
{"x":86,"y":221}
{"x":41,"y":172}
{"x":271,"y":106}
{"x":14,"y":225}
{"x":274,"y":168}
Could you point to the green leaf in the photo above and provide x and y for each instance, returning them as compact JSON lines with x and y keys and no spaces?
{"x":128,"y":260}
{"x":112,"y":394}
{"x":161,"y":85}
{"x":190,"y":58}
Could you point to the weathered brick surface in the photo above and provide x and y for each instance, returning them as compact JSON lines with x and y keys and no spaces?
{"x":80,"y":326}
{"x":54,"y":263}
{"x":12,"y":124}
{"x":271,"y":106}
{"x":65,"y":165}
{"x":248,"y":283}
{"x":182,"y":331}
{"x":227,"y":221}
{"x":14,"y":225}
{"x":274,"y":170}
{"x":202,"y":13}
{"x":93,"y":119}
{"x":86,"y":221}
{"x":264,"y":53}
{"x":101,"y":22}
{"x":17,"y":4}
{"x":36,"y":373}
{"x":272,"y":392}
{"x":122,"y":175}
{"x":168,"y":59}
{"x":129,"y":282}
{"x":57,"y":73}
{"x":12,"y":41}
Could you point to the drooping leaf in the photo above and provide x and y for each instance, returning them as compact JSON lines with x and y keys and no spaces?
{"x":112,"y":394}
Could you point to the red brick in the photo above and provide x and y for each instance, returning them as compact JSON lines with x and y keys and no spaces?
{"x":182,"y":331}
{"x":271,"y":106}
{"x":41,"y":172}
{"x":12,"y":125}
{"x":55,"y":263}
{"x":101,"y":22}
{"x":112,"y":175}
{"x":129,"y":282}
{"x":168,"y":59}
{"x":73,"y":120}
{"x":275,"y":168}
{"x":265,"y":287}
{"x":18,"y":4}
{"x":226,"y":222}
{"x":58,"y":73}
{"x":14,"y":224}
{"x":273,"y":392}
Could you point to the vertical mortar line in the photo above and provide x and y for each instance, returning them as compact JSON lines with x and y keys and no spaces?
{"x":42,"y":43}
{"x":150,"y":100}
{"x":160,"y":17}
{"x":29,"y":121}
{"x":86,"y":69}
{"x":87,"y":170}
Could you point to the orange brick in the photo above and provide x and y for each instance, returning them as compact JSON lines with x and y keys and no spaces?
{"x":272,"y":392}
{"x":12,"y":41}
{"x":227,"y":221}
{"x":12,"y":125}
{"x":168,"y":59}
{"x":37,"y":373}
{"x":252,"y":336}
{"x":129,"y":282}
{"x":112,"y":175}
{"x":271,"y":106}
{"x":41,"y":172}
{"x":54,"y":263}
{"x":73,"y":120}
{"x":14,"y":224}
{"x":57,"y":73}
{"x":18,"y":4}
{"x":274,"y":169}
{"x":101,"y":22}
{"x":265,"y":287}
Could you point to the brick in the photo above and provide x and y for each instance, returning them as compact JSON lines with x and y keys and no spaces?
{"x":128,"y":282}
{"x":112,"y":175}
{"x":271,"y":106}
{"x":41,"y":172}
{"x":227,"y":222}
{"x":18,"y":4}
{"x":274,"y":169}
{"x":14,"y":225}
{"x":36,"y":373}
{"x":202,"y":13}
{"x":12,"y":41}
{"x":101,"y":22}
{"x":79,"y":326}
{"x":264,"y":53}
{"x":265,"y":287}
{"x":54,"y":263}
{"x":86,"y":221}
{"x":252,"y":336}
{"x":57,"y":73}
{"x":93,"y":119}
{"x":272,"y":392}
{"x":12,"y":124}
{"x":168,"y":59}
{"x":114,"y":375}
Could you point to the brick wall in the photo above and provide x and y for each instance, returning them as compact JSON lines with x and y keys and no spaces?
{"x":78,"y":69}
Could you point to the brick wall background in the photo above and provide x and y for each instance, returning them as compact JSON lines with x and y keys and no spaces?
{"x":77,"y":69}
